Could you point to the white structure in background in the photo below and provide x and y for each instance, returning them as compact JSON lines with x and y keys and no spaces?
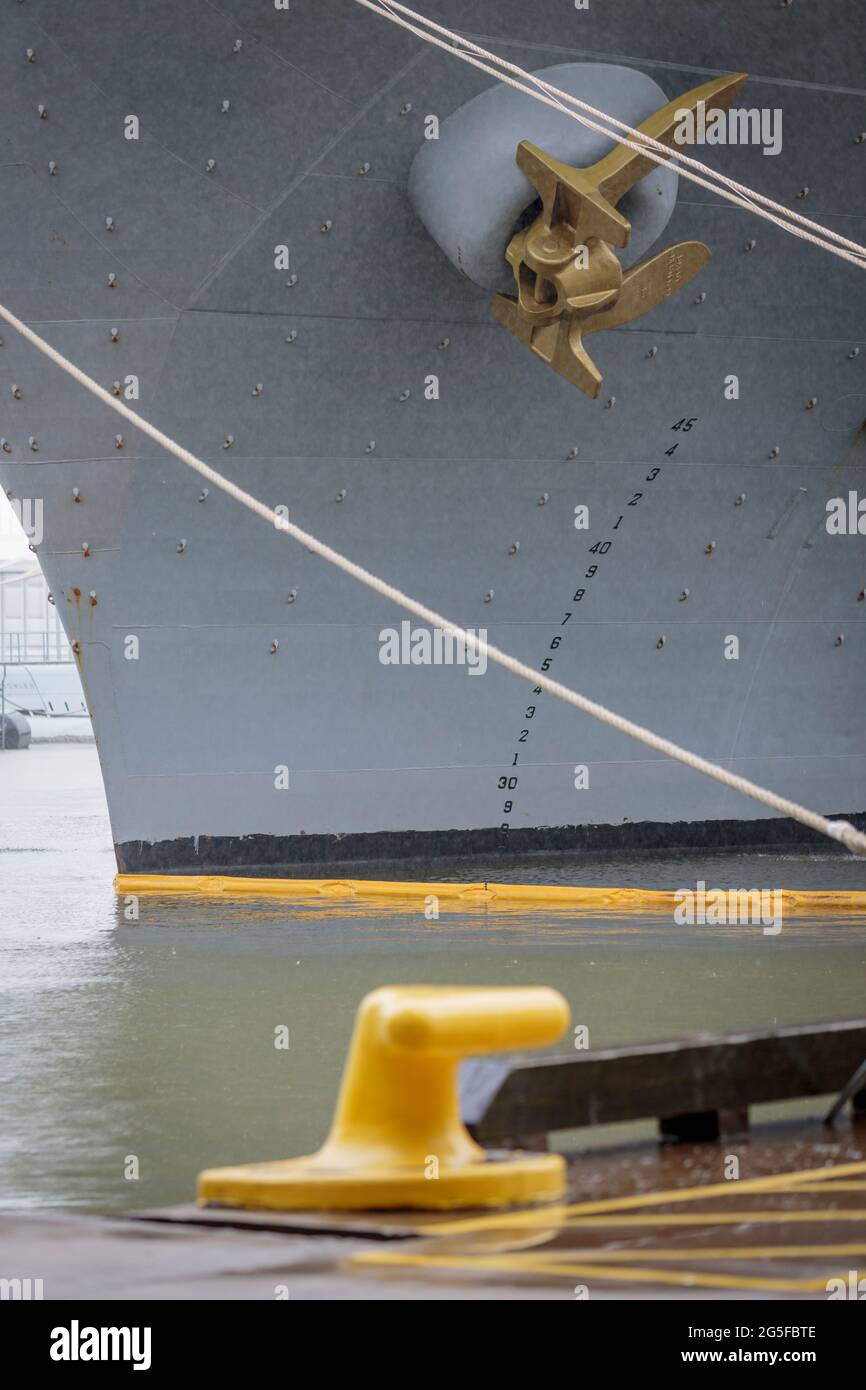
{"x":41,"y":677}
{"x":30,"y":630}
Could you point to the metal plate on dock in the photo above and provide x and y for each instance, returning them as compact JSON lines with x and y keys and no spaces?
{"x":371,"y":1225}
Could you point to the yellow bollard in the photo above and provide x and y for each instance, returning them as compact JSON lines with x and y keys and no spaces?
{"x":397,"y":1139}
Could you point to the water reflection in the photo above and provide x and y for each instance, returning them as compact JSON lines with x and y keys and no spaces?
{"x":155,"y":1038}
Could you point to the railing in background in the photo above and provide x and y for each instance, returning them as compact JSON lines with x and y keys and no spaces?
{"x":34,"y":648}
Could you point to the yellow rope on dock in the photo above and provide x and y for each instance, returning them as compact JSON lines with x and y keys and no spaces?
{"x":640,"y":1263}
{"x":570,"y":1269}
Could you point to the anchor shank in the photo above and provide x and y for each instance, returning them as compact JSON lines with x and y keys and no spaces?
{"x":624,"y":167}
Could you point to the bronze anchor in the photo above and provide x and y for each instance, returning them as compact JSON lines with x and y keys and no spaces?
{"x":569,"y":280}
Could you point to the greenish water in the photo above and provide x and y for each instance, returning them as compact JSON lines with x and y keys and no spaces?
{"x":156,"y":1039}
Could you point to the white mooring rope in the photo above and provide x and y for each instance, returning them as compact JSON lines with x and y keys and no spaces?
{"x":653,"y":149}
{"x":840,"y":830}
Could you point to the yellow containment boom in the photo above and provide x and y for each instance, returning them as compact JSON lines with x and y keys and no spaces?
{"x":793,"y":902}
{"x":397,"y":1139}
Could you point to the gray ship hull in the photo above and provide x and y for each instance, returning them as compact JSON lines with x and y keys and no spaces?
{"x":244,"y":717}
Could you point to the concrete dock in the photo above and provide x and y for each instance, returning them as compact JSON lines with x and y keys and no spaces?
{"x":642,"y":1221}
